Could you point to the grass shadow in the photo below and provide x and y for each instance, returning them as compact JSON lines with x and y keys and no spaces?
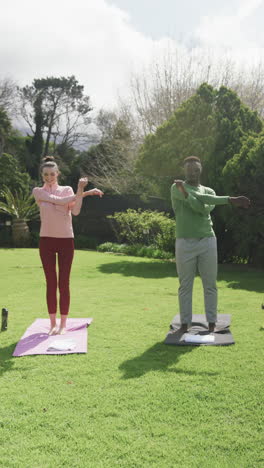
{"x":158,"y":358}
{"x":236,"y":276}
{"x":154,"y":269}
{"x":6,"y":358}
{"x":242,"y":277}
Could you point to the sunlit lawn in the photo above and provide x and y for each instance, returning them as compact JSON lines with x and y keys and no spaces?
{"x":131,"y":401}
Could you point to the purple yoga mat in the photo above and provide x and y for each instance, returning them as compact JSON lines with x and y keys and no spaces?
{"x":37,"y":341}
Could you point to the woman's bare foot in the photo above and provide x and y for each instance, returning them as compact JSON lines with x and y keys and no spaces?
{"x":53,"y":326}
{"x":53,"y":330}
{"x":62,"y":329}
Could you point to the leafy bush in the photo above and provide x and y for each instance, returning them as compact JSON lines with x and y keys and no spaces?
{"x":112,"y":247}
{"x":137,"y":250}
{"x":149,"y":228}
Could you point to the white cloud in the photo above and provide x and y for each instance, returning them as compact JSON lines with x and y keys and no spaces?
{"x":88,"y":38}
{"x":95,"y":41}
{"x":229,"y":30}
{"x":247,"y":8}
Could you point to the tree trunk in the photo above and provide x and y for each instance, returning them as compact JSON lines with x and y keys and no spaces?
{"x":20,"y":233}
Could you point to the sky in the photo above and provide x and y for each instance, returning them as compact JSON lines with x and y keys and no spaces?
{"x":102,"y":42}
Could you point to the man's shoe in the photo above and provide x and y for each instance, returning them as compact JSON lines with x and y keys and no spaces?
{"x":183,"y":328}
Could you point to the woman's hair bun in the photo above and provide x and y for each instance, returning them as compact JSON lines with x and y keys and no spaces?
{"x":48,"y":159}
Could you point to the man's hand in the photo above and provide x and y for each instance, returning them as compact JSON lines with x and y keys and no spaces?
{"x":240,"y":202}
{"x":180,"y":186}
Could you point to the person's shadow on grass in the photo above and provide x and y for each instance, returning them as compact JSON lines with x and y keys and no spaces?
{"x":6,"y":354}
{"x":149,"y":269}
{"x":6,"y":358}
{"x":158,"y":358}
{"x":236,"y":276}
{"x":243,"y":277}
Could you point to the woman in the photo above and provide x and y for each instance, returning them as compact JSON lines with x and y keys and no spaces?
{"x":57,"y":204}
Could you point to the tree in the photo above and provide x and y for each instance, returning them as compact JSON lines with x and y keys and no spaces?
{"x":174,"y":76}
{"x":17,"y":144}
{"x":57,"y":111}
{"x":191,"y":130}
{"x":5,"y":128}
{"x":211,"y":124}
{"x":244,"y":174}
{"x":234,"y":121}
{"x":11,"y":174}
{"x":111,"y":163}
{"x":8,"y":94}
{"x":250,"y":88}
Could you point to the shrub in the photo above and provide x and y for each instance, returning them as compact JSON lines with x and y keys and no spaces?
{"x":112,"y":247}
{"x":137,"y":250}
{"x":105,"y":247}
{"x":145,"y":227}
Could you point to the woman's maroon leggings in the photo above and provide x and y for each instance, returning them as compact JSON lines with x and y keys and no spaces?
{"x":48,"y":248}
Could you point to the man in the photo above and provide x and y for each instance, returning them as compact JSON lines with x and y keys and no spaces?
{"x":195,"y":239}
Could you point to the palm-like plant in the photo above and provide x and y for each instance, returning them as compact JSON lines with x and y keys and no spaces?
{"x":21,"y":207}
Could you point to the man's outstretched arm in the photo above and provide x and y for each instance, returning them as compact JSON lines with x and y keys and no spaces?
{"x":239,"y":202}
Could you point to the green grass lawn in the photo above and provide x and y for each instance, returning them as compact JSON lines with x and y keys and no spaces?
{"x":131,"y":401}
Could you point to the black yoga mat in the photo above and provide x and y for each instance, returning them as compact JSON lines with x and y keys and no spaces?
{"x":222,"y":334}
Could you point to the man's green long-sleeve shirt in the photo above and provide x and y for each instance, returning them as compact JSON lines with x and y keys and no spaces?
{"x":192,"y":214}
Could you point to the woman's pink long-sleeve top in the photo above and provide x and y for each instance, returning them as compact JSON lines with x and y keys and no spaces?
{"x":57,"y":204}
